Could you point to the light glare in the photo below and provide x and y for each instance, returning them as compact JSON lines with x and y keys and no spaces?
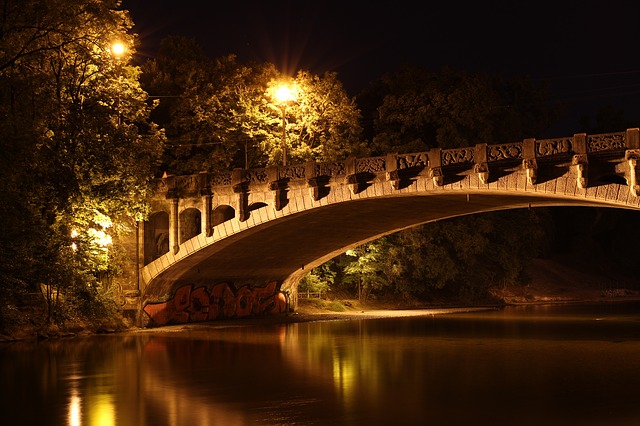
{"x":284,"y":94}
{"x":117,"y":49}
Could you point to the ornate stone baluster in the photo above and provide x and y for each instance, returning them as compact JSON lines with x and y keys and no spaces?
{"x":391,"y":172}
{"x":205,"y":193}
{"x":241,"y":188}
{"x":278,"y":186}
{"x":632,"y":159}
{"x":530,"y":164}
{"x":435,"y":167}
{"x":579,"y":161}
{"x":312,"y":180}
{"x":481,"y":166}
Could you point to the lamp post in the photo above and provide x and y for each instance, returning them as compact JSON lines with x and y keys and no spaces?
{"x":284,"y":96}
{"x":118,"y":50}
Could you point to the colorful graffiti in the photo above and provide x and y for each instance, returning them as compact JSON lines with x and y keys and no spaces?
{"x":219,"y":302}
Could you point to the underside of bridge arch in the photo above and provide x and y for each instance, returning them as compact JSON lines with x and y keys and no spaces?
{"x":156,"y":231}
{"x":283,"y":250}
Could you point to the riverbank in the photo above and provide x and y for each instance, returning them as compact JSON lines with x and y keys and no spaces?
{"x":311,"y":311}
{"x":551,"y":283}
{"x":315,"y":310}
{"x":313,"y":314}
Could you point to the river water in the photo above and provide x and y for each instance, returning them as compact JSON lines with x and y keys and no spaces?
{"x":534,"y":365}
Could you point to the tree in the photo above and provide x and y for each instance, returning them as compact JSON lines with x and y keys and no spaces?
{"x":319,"y":280}
{"x":607,"y":119}
{"x":468,"y":256}
{"x":324,"y":123}
{"x":195,"y":105}
{"x":366,"y":272}
{"x":78,"y":149}
{"x":220,"y":114}
{"x":417,"y":109}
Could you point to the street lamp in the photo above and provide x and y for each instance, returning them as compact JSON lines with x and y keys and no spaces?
{"x":284,"y":96}
{"x":118,"y":50}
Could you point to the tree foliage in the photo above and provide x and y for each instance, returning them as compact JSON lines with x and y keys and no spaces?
{"x":323,"y":123}
{"x":461,"y":259}
{"x":415,"y":109}
{"x":319,"y":280}
{"x":469,"y":255}
{"x":367,"y":271}
{"x":77,"y":147}
{"x":220,"y":114}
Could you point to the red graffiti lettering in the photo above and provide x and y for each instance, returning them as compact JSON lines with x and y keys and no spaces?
{"x":173,"y":310}
{"x":199,"y":307}
{"x":264,"y":300}
{"x":244,"y":302}
{"x":202,"y":304}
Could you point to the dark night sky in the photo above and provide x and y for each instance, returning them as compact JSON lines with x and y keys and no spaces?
{"x":589,"y":50}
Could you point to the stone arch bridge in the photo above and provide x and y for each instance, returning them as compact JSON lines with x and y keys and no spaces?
{"x":236,"y":244}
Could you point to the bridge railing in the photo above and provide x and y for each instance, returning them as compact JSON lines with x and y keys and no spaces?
{"x":528,"y":154}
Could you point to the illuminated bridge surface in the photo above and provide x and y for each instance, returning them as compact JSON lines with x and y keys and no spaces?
{"x":236,"y":244}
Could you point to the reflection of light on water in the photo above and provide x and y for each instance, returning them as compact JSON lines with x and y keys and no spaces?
{"x":318,"y":354}
{"x":344,"y":377}
{"x":101,"y":410}
{"x":96,"y":401}
{"x":74,"y":408}
{"x":181,"y":408}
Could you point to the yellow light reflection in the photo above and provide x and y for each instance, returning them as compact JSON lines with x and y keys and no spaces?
{"x":102,"y":410}
{"x":99,"y":409}
{"x":74,"y":408}
{"x":102,"y":220}
{"x":344,"y":377}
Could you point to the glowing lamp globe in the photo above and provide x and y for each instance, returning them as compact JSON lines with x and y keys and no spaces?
{"x":284,"y":95}
{"x":118,"y":49}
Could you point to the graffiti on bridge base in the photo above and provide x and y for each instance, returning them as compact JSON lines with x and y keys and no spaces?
{"x":219,"y":302}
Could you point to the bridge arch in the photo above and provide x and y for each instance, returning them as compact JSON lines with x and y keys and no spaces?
{"x":190,"y":224}
{"x":310,"y":213}
{"x":156,"y":236}
{"x":222,"y":214}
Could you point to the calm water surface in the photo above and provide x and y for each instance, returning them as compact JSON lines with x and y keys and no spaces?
{"x":540,"y":365}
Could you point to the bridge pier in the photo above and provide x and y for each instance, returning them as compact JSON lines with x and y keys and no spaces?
{"x":633,"y":166}
{"x":579,"y":161}
{"x":174,"y":221}
{"x":529,"y":163}
{"x":632,"y":157}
